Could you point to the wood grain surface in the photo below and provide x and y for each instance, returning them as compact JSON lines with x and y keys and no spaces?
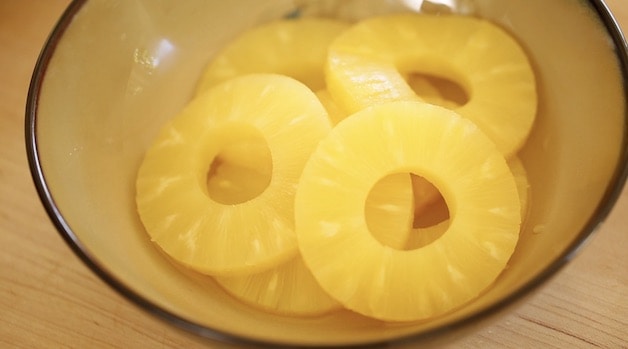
{"x":49,"y":299}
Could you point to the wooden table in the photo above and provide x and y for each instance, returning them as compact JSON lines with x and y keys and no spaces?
{"x":49,"y":299}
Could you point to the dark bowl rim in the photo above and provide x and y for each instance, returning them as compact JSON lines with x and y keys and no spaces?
{"x":603,"y":210}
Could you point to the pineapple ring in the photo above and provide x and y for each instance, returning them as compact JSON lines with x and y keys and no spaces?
{"x":367,"y":64}
{"x":379,"y":281}
{"x":295,"y":48}
{"x":171,"y":190}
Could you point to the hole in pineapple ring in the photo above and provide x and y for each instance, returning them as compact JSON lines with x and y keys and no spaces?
{"x":405,"y":211}
{"x":431,"y":214}
{"x":438,"y":90}
{"x":430,"y":207}
{"x":436,"y":81}
{"x":242,"y":168}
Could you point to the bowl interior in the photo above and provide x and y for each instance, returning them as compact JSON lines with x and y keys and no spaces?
{"x":121,"y":69}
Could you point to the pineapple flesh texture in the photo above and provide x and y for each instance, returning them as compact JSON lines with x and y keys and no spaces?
{"x":289,"y":289}
{"x":291,"y":47}
{"x":429,"y":141}
{"x":171,"y":187}
{"x":368,"y":62}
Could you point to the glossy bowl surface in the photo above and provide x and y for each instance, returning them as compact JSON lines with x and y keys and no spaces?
{"x":112,"y":72}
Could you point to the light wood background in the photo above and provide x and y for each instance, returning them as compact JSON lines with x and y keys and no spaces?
{"x":49,"y":299}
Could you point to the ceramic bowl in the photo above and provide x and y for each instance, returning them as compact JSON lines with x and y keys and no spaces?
{"x":112,"y":72}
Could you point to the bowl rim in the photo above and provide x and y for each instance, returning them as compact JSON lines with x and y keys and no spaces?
{"x":604,"y":208}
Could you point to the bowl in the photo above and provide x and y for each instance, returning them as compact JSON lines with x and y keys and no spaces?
{"x":112,"y":72}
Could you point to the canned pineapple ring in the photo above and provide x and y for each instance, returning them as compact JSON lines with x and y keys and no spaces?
{"x":367,"y":64}
{"x":382,"y":282}
{"x":172,"y":197}
{"x":293,"y":47}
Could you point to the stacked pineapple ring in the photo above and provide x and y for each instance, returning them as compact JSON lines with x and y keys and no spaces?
{"x":429,"y":141}
{"x":367,"y":63}
{"x":309,"y":248}
{"x":172,"y":200}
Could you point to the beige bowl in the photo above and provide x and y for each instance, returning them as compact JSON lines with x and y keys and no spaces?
{"x":113,"y":71}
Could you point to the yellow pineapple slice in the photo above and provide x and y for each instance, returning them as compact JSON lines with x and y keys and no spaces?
{"x":289,"y":289}
{"x":171,"y":188}
{"x":296,"y":48}
{"x":435,"y":215}
{"x":429,"y":141}
{"x":367,"y":64}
